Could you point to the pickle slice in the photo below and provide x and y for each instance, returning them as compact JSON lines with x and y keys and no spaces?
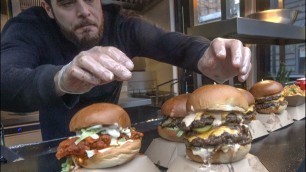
{"x":202,"y":129}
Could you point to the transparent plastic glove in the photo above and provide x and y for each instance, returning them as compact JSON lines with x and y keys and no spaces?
{"x":97,"y":66}
{"x":225,"y":59}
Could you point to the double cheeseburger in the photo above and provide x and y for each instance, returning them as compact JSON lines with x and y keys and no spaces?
{"x":250,"y":114}
{"x":104,"y":137}
{"x":174,"y":110}
{"x":268,"y":97}
{"x":215,"y":132}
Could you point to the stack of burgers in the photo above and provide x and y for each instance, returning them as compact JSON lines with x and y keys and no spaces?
{"x":214,"y":128}
{"x":174,"y":110}
{"x":104,"y":138}
{"x":268,"y":97}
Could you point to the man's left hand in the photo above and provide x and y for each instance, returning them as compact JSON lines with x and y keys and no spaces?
{"x":225,"y":59}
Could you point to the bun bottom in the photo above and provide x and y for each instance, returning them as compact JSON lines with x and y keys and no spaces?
{"x":270,"y":110}
{"x":169,"y":134}
{"x":221,"y":157}
{"x":111,"y":157}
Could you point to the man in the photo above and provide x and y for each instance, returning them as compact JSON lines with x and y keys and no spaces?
{"x":68,"y":54}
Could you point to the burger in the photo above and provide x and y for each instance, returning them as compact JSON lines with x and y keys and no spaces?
{"x":214,"y":130}
{"x":174,"y":110}
{"x":268,"y":97}
{"x":104,"y":138}
{"x":250,"y":114}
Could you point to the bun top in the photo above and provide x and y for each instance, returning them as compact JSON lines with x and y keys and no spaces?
{"x":266,"y":88}
{"x":175,"y":106}
{"x":100,"y":114}
{"x":217,"y":97}
{"x":248,"y":95}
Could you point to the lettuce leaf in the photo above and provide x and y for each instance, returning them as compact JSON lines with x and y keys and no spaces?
{"x":66,"y":166}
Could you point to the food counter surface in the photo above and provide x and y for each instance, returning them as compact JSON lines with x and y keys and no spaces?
{"x":281,"y":150}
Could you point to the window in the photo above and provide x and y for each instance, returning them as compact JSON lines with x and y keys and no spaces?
{"x":294,"y":53}
{"x":206,"y":11}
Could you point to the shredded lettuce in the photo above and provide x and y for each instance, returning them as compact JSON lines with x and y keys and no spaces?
{"x":113,"y":131}
{"x":173,"y":128}
{"x":180,"y":133}
{"x":121,"y":141}
{"x":66,"y":166}
{"x":89,"y":132}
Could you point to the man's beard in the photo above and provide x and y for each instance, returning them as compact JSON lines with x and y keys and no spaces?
{"x":88,"y":40}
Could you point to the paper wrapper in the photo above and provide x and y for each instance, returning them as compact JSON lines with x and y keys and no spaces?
{"x":163,"y":152}
{"x":257,"y":129}
{"x":249,"y":164}
{"x":273,"y":121}
{"x":295,"y":100}
{"x":139,"y":163}
{"x":297,"y":112}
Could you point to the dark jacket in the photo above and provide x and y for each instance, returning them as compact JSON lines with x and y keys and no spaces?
{"x":33,"y":49}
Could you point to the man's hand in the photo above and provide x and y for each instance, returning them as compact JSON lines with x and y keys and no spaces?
{"x":97,"y":66}
{"x":224,"y":59}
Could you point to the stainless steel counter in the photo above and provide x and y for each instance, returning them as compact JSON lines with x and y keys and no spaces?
{"x":127,"y":102}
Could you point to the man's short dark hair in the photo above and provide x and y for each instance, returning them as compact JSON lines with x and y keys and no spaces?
{"x":48,"y":2}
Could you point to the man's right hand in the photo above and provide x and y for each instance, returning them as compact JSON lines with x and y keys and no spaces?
{"x":97,"y":66}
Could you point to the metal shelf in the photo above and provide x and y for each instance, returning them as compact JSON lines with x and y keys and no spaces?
{"x":251,"y":31}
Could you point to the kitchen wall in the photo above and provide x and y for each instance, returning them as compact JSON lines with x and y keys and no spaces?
{"x":160,"y":15}
{"x":4,"y":13}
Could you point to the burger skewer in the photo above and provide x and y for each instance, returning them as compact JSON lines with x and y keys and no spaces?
{"x":174,"y":110}
{"x":104,"y":138}
{"x":214,"y":130}
{"x":268,"y":97}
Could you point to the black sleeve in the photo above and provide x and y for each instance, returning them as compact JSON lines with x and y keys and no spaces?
{"x":170,"y":47}
{"x":25,"y":82}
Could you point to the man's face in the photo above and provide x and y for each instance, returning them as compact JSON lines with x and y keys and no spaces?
{"x":81,"y":21}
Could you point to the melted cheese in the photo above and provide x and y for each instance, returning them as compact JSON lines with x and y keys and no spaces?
{"x":240,"y":116}
{"x":198,"y":115}
{"x":235,"y":147}
{"x":205,"y":154}
{"x":250,"y":109}
{"x":219,"y":116}
{"x":281,"y":99}
{"x":218,"y":120}
{"x":215,"y":132}
{"x":189,"y":119}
